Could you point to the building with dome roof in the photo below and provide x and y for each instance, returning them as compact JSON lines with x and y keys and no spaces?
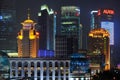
{"x":28,"y":39}
{"x":99,"y":49}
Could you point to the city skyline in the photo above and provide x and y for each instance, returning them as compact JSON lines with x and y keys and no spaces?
{"x":67,"y":43}
{"x":85,"y":8}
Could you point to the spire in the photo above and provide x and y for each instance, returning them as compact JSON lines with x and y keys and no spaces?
{"x":28,"y":20}
{"x":28,"y":14}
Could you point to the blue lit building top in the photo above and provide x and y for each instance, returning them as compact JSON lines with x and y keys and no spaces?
{"x":79,"y":64}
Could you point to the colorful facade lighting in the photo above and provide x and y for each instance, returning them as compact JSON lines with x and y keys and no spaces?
{"x":28,"y":40}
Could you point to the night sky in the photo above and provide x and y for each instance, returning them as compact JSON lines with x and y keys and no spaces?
{"x":85,"y":7}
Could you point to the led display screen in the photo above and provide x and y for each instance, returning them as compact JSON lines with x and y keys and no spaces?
{"x":109,"y":26}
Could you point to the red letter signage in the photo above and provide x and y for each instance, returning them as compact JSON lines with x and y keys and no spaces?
{"x":107,"y":11}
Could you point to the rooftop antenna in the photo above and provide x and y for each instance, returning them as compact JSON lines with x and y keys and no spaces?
{"x":28,"y":14}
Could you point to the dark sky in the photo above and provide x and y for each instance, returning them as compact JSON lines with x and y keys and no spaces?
{"x":85,"y":5}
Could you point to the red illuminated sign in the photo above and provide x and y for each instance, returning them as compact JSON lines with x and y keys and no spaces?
{"x":107,"y":11}
{"x":99,"y":12}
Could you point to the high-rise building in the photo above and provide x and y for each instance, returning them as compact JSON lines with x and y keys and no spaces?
{"x":28,"y":39}
{"x":47,"y":28}
{"x":70,"y":23}
{"x":79,"y":66}
{"x":8,"y":28}
{"x":99,"y":49}
{"x":65,"y":46}
{"x":94,"y":19}
{"x":104,"y":18}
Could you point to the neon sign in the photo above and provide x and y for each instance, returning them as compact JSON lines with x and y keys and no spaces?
{"x":99,"y":12}
{"x":107,"y":11}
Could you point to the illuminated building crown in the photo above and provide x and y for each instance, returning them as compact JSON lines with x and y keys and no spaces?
{"x":28,"y":23}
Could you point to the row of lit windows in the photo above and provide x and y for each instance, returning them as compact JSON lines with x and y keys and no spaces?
{"x":39,"y":68}
{"x":38,"y":63}
{"x":44,"y":78}
{"x":39,"y":73}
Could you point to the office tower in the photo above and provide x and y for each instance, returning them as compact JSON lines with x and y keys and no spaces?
{"x":79,"y":66}
{"x":47,"y":28}
{"x":104,"y":18}
{"x":65,"y":46}
{"x":70,"y":23}
{"x":28,"y":39}
{"x":8,"y":28}
{"x":99,"y":49}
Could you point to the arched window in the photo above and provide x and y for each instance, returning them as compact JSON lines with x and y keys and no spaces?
{"x":13,"y":65}
{"x":56,"y":64}
{"x":50,"y":64}
{"x":19,"y":64}
{"x":32,"y":64}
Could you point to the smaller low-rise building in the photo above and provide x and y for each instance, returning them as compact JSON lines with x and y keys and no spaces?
{"x":39,"y":69}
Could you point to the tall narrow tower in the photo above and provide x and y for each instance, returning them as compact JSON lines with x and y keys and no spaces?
{"x":28,"y":39}
{"x":47,"y":23}
{"x":94,"y":19}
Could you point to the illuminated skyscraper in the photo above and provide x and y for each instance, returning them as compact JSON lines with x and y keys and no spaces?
{"x":65,"y":46}
{"x":104,"y":18}
{"x":47,"y":28}
{"x":99,"y":49}
{"x":8,"y":28}
{"x":28,"y":40}
{"x":70,"y":23}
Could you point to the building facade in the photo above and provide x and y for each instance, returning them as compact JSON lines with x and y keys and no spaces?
{"x":104,"y":18}
{"x":47,"y":28}
{"x":99,"y":49}
{"x":79,"y":66}
{"x":28,"y":39}
{"x":70,"y":23}
{"x":65,"y":46}
{"x":94,"y":19}
{"x":4,"y":66}
{"x":8,"y":30}
{"x":39,"y":69}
